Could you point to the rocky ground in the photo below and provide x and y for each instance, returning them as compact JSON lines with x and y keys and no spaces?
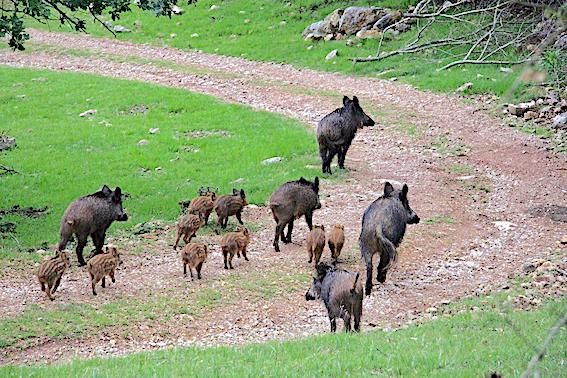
{"x":491,"y":200}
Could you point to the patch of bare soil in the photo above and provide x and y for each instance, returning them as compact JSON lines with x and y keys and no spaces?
{"x":480,"y":231}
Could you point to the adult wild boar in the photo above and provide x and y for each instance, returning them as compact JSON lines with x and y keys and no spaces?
{"x":291,"y":201}
{"x":383,"y":228}
{"x":341,"y":292}
{"x":91,"y":215}
{"x":336,"y":131}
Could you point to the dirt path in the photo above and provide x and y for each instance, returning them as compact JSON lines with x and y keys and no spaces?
{"x":479,"y":204}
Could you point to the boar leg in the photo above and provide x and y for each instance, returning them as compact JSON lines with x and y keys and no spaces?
{"x":48,"y":292}
{"x":230,"y":260}
{"x":98,"y":241}
{"x":333,"y":324}
{"x":185,"y":269}
{"x":103,"y":281}
{"x":224,"y":254}
{"x":207,"y":217}
{"x":368,"y":274}
{"x":357,"y":313}
{"x":387,"y":255}
{"x":42,"y":286}
{"x":191,"y":272}
{"x":179,"y":233}
{"x":309,"y":220}
{"x":244,"y":254}
{"x":310,"y":252}
{"x":93,"y":283}
{"x":111,"y":274}
{"x":56,"y":284}
{"x":81,"y":242}
{"x":198,"y":268}
{"x":239,"y":217}
{"x":277,"y":237}
{"x":289,"y":231}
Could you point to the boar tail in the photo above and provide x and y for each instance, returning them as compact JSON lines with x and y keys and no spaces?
{"x":354,"y":284}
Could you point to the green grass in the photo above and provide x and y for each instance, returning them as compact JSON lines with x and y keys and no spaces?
{"x":468,"y":344}
{"x":61,"y":156}
{"x":274,"y":33}
{"x":440,"y":219}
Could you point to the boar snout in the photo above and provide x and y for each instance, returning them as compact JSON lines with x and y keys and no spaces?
{"x":122,"y":217}
{"x":309,"y":296}
{"x":414,"y":219}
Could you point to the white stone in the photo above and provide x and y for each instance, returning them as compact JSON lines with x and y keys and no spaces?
{"x":332,"y":55}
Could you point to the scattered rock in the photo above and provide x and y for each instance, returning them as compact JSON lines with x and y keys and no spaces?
{"x":332,"y":55}
{"x":464,"y":87}
{"x":504,"y":225}
{"x":367,"y":34}
{"x":329,"y":37}
{"x":387,"y":20}
{"x":520,"y":109}
{"x":7,"y":142}
{"x":273,"y":160}
{"x":214,"y":7}
{"x":88,"y":113}
{"x":143,"y":142}
{"x":247,"y":21}
{"x":464,"y":178}
{"x":560,"y":120}
{"x":530,"y":114}
{"x":563,"y":240}
{"x":177,"y":10}
{"x":402,"y":27}
{"x":121,"y":29}
{"x":154,"y":130}
{"x":355,"y":18}
{"x":313,"y":31}
{"x":194,"y":35}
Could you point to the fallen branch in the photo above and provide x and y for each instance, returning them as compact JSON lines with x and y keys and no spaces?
{"x":4,"y":170}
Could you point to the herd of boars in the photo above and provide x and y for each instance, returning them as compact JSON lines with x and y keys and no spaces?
{"x":383,"y":227}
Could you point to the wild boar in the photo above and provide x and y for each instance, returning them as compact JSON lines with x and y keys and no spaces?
{"x":316,"y":243}
{"x":50,"y":272}
{"x":203,"y":205}
{"x":194,"y":255}
{"x":383,"y":228}
{"x":341,"y":292}
{"x":233,"y":243}
{"x":91,"y":215}
{"x":337,"y":129}
{"x":291,"y":201}
{"x":187,"y":227}
{"x":103,"y":265}
{"x":336,"y":241}
{"x":226,"y":206}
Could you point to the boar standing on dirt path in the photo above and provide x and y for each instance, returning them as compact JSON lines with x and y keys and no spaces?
{"x":341,"y":292}
{"x":226,"y":206}
{"x":383,"y":228}
{"x":291,"y":201}
{"x":104,"y":265}
{"x":336,"y":131}
{"x":188,"y":226}
{"x":336,"y":241}
{"x":50,"y":272}
{"x":316,"y":243}
{"x":91,"y":215}
{"x":194,"y":255}
{"x":233,"y":243}
{"x":203,"y":204}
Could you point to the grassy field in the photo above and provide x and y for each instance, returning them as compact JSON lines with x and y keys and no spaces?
{"x":201,"y":141}
{"x":270,"y":30}
{"x":468,"y":344}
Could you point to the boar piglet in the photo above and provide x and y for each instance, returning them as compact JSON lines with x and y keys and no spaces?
{"x":226,"y":206}
{"x":50,"y":272}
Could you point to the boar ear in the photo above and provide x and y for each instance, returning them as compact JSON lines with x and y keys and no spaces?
{"x":106,"y":191}
{"x":117,"y":195}
{"x":234,"y":191}
{"x":346,"y":100}
{"x":405,"y":191}
{"x":388,"y":189}
{"x":355,"y":100}
{"x":316,"y":184}
{"x":242,"y":194}
{"x":323,"y":227}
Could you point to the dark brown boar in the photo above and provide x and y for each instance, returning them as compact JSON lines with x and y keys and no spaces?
{"x":91,"y":216}
{"x":341,"y":292}
{"x":103,"y":265}
{"x":203,"y":205}
{"x":337,"y":129}
{"x":316,"y":243}
{"x":383,"y":228}
{"x":226,"y":206}
{"x":233,"y":243}
{"x":194,"y":255}
{"x":50,"y":272}
{"x":336,"y":240}
{"x":291,"y":201}
{"x":187,"y":227}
